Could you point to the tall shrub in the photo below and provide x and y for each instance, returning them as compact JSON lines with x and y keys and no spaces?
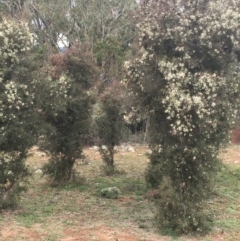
{"x":110,"y":125}
{"x":186,"y":79}
{"x":17,"y":117}
{"x":66,"y":110}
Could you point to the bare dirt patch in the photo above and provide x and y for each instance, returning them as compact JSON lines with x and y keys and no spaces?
{"x":235,"y":136}
{"x":15,"y":232}
{"x":106,"y":233}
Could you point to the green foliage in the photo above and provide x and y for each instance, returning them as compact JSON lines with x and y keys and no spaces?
{"x":66,"y":110}
{"x":109,"y":48}
{"x":96,"y":20}
{"x":182,"y":212}
{"x":109,"y":55}
{"x":59,"y":169}
{"x":226,"y":195}
{"x":13,"y":176}
{"x":186,"y":80}
{"x":110,"y":125}
{"x":17,"y":117}
{"x":184,"y":191}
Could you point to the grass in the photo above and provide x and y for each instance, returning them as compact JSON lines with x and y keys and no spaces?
{"x":227,"y":201}
{"x":58,"y":212}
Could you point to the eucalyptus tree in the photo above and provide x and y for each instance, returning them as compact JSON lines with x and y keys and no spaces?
{"x":13,"y":8}
{"x":108,"y":27}
{"x":98,"y":20}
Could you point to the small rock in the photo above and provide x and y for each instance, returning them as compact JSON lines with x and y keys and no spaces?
{"x":110,"y":192}
{"x":95,"y":148}
{"x":41,"y":154}
{"x":124,"y":147}
{"x":33,"y":149}
{"x":149,"y":152}
{"x":39,"y":171}
{"x":131,"y":149}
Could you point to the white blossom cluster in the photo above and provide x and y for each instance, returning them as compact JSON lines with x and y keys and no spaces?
{"x":60,"y":87}
{"x":187,"y":65}
{"x":59,"y":90}
{"x":7,"y":167}
{"x":185,"y":106}
{"x":131,"y":115}
{"x":14,"y":99}
{"x":15,"y":39}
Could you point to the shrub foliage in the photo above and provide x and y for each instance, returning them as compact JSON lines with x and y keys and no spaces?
{"x":186,"y":79}
{"x":66,"y":110}
{"x":17,"y":131}
{"x":110,"y":125}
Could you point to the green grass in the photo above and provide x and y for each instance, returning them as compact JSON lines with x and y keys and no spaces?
{"x":44,"y":202}
{"x":128,"y":186}
{"x":226,"y":204}
{"x":62,"y":207}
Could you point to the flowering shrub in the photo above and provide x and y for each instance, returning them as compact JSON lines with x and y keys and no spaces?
{"x":16,"y":110}
{"x":66,"y":110}
{"x":186,"y":79}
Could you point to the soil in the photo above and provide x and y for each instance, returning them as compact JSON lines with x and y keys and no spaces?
{"x":105,"y":233}
{"x":97,"y":232}
{"x":235,"y":136}
{"x":19,"y":232}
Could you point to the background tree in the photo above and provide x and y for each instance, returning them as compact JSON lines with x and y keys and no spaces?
{"x":106,"y":25}
{"x":187,"y":80}
{"x":51,"y":23}
{"x":17,"y":115}
{"x":13,"y":8}
{"x":99,"y":20}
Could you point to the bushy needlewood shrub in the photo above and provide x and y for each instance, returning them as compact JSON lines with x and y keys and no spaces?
{"x":110,"y":124}
{"x":66,"y":110}
{"x":13,"y":178}
{"x":186,"y":80}
{"x":17,"y":118}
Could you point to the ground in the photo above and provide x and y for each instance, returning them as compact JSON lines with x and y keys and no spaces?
{"x":77,"y":212}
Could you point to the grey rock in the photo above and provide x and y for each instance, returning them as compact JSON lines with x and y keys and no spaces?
{"x":131,"y":149}
{"x":39,"y":171}
{"x":111,"y":192}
